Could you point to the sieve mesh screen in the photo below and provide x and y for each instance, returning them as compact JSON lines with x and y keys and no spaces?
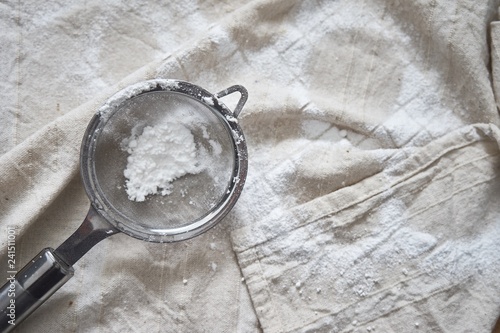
{"x":192,"y":195}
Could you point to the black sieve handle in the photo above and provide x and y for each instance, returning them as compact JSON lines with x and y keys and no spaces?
{"x":25,"y":291}
{"x":31,"y":286}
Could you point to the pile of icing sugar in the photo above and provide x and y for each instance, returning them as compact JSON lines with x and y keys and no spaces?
{"x":157,"y":157}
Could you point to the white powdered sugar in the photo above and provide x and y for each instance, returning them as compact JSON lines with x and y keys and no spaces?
{"x":158,"y":156}
{"x":134,"y":90}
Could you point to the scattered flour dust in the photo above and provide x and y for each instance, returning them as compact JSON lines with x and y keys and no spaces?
{"x":161,"y":154}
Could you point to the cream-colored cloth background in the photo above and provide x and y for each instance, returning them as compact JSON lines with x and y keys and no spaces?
{"x":372,"y":198}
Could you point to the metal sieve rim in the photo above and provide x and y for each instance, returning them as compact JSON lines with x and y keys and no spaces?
{"x":213,"y":216}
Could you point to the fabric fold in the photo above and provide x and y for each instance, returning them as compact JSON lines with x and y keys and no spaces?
{"x":347,"y":260}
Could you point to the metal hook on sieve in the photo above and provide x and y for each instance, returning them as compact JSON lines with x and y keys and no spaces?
{"x":243,"y":99}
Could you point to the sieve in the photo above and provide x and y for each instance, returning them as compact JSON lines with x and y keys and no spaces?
{"x":191,"y":204}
